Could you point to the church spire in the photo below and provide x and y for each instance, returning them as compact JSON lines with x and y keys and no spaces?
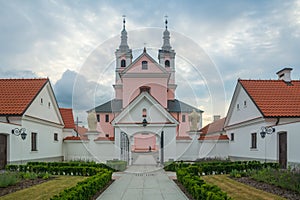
{"x":124,"y":46}
{"x":166,"y":37}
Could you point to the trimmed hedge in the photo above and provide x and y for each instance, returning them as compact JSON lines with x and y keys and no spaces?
{"x":87,"y":188}
{"x":226,"y":167}
{"x":197,"y":187}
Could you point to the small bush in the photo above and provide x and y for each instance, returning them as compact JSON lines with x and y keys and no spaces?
{"x":9,"y":178}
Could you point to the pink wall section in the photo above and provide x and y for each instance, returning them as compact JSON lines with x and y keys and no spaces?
{"x":183,"y":127}
{"x":158,"y":89}
{"x":105,"y":127}
{"x":137,"y":67}
{"x":142,"y":142}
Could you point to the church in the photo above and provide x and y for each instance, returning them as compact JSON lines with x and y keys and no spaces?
{"x":144,"y":106}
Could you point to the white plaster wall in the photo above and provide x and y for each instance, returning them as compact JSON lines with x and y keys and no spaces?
{"x":244,"y":113}
{"x":214,"y":149}
{"x":98,"y":151}
{"x":240,"y":148}
{"x":153,"y":113}
{"x":19,"y":150}
{"x":42,"y":110}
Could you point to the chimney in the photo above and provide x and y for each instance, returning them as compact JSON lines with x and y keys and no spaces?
{"x":285,"y":75}
{"x":217,"y":117}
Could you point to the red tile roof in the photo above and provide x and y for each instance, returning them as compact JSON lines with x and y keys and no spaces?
{"x":67,"y":116}
{"x":82,"y":131}
{"x":17,"y":94}
{"x":274,"y":98}
{"x":74,"y":138}
{"x":213,"y":137}
{"x":214,"y":127}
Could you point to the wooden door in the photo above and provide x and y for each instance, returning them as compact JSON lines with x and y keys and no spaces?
{"x":3,"y":151}
{"x":283,"y":150}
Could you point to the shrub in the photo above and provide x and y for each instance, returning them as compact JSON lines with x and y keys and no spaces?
{"x":87,"y":188}
{"x":9,"y":178}
{"x":197,"y":187}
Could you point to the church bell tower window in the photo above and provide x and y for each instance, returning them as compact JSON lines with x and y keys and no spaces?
{"x":123,"y":63}
{"x":167,"y":63}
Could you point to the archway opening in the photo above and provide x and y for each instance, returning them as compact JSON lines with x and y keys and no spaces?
{"x":145,"y":142}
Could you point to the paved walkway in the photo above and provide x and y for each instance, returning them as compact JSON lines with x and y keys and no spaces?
{"x":143,"y":182}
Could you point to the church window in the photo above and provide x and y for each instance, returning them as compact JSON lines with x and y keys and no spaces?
{"x":232,"y":136}
{"x":253,"y":140}
{"x":238,"y":106}
{"x":144,"y":89}
{"x":144,"y":65}
{"x":55,"y":136}
{"x":98,"y":118}
{"x":106,"y":118}
{"x":245,"y":104}
{"x":123,"y":63}
{"x":144,"y":112}
{"x":42,"y":101}
{"x":167,"y":63}
{"x":183,"y":118}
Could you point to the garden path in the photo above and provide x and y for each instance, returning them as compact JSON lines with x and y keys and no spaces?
{"x":143,"y":181}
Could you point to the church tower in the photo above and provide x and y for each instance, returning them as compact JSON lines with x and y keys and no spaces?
{"x":166,"y":57}
{"x":123,"y":59}
{"x":123,"y":53}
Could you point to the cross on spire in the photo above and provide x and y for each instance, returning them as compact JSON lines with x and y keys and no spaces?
{"x":166,"y":21}
{"x":124,"y":21}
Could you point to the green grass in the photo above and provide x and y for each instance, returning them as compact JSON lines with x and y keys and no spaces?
{"x":237,"y":190}
{"x":45,"y":190}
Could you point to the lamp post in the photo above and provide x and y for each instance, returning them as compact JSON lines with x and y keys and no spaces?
{"x":21,"y":132}
{"x":264,"y":131}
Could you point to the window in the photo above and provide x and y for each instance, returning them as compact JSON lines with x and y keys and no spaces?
{"x":55,"y":137}
{"x":183,"y":118}
{"x":144,"y":112}
{"x":123,"y":63}
{"x":98,"y":118}
{"x":41,"y":100}
{"x":33,"y":141}
{"x":144,"y":65}
{"x":232,"y":137}
{"x":238,"y":106}
{"x":167,"y":63}
{"x":253,"y":140}
{"x":49,"y":104}
{"x":245,"y":104}
{"x":106,"y":118}
{"x":145,"y":89}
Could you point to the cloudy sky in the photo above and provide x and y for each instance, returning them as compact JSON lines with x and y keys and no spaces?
{"x":216,"y":42}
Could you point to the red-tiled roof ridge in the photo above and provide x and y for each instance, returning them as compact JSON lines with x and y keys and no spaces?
{"x":274,"y":98}
{"x":216,"y":126}
{"x":67,"y":116}
{"x":18,"y":94}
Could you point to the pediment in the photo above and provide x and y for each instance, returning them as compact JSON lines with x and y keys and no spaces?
{"x":155,"y":113}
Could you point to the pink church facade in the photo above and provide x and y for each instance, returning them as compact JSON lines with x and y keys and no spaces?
{"x":144,"y":103}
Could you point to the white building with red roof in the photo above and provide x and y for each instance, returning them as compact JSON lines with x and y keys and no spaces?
{"x":31,"y":126}
{"x":263,"y":120}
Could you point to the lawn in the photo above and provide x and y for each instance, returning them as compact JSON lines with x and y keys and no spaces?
{"x":45,"y":190}
{"x":238,"y":190}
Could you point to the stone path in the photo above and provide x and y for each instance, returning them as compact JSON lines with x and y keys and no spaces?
{"x":143,"y":182}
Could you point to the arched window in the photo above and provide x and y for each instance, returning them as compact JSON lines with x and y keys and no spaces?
{"x":144,"y":65}
{"x":144,"y":112}
{"x":167,"y":63}
{"x":123,"y":63}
